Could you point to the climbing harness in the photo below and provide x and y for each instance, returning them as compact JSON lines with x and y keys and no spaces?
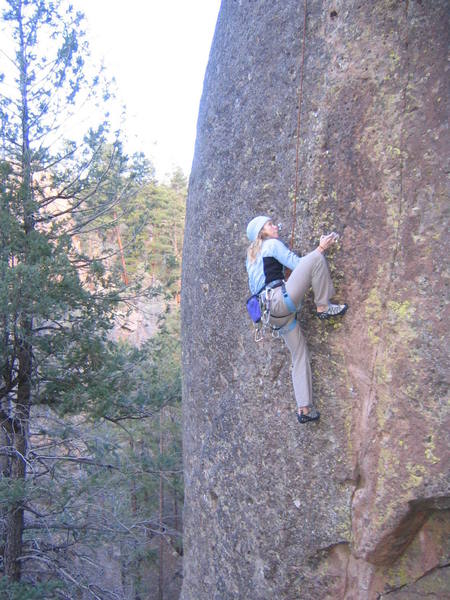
{"x":264,"y":298}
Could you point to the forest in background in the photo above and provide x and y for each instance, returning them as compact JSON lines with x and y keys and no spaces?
{"x":91,"y":487}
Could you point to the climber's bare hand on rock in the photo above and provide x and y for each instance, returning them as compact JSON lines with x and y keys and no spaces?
{"x":327,"y":240}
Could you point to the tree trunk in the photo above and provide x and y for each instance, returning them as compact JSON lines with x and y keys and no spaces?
{"x":161,"y":513}
{"x":4,"y":472}
{"x":19,"y":438}
{"x":19,"y":422}
{"x":135,"y":575}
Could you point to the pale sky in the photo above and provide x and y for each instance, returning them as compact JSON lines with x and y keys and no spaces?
{"x":158,"y":51}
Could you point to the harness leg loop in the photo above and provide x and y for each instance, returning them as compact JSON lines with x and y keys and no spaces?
{"x":288,"y":301}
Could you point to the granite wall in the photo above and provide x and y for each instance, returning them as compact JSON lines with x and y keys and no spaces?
{"x":357,"y":506}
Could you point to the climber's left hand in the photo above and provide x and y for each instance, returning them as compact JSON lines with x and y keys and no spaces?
{"x":327,"y":240}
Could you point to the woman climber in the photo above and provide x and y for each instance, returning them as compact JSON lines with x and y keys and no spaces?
{"x":266,"y":257}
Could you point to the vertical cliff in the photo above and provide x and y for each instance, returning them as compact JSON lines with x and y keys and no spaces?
{"x":355,"y":507}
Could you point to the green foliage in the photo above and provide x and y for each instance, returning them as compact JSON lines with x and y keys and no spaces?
{"x":96,"y":422}
{"x":24,"y":591}
{"x":11,"y":492}
{"x":153,"y":232}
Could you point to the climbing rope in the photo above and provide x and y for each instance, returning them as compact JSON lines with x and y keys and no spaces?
{"x":299,"y":121}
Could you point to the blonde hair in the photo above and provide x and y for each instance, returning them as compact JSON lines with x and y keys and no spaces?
{"x":255,"y":247}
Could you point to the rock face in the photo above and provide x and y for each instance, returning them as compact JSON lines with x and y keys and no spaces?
{"x":357,"y":506}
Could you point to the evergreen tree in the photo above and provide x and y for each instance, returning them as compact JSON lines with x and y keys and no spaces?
{"x":56,"y":303}
{"x":153,"y":229}
{"x":90,"y":456}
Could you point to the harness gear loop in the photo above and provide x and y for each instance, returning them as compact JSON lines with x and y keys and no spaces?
{"x":265,"y":298}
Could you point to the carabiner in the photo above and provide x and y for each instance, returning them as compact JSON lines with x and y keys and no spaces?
{"x":259,"y":334}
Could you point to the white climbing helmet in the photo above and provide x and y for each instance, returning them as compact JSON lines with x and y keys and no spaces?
{"x":255,"y":226}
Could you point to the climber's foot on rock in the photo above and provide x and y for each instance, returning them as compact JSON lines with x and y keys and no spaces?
{"x":307,"y":414}
{"x":332,"y":310}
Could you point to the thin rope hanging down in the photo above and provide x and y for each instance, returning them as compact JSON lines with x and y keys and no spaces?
{"x":299,"y":121}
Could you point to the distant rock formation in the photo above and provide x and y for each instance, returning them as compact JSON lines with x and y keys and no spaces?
{"x":356,"y":507}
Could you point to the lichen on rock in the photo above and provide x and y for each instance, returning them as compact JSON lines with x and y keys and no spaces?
{"x":355,"y":506}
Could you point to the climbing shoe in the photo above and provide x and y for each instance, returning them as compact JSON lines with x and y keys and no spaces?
{"x":313,"y":415}
{"x":333,"y":310}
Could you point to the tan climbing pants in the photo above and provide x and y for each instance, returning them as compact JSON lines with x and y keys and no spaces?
{"x":311,"y":271}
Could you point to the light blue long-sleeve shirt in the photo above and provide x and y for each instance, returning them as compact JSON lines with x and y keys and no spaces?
{"x":268,"y":265}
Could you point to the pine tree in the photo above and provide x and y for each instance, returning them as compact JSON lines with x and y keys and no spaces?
{"x":157,"y":246}
{"x":56,"y":303}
